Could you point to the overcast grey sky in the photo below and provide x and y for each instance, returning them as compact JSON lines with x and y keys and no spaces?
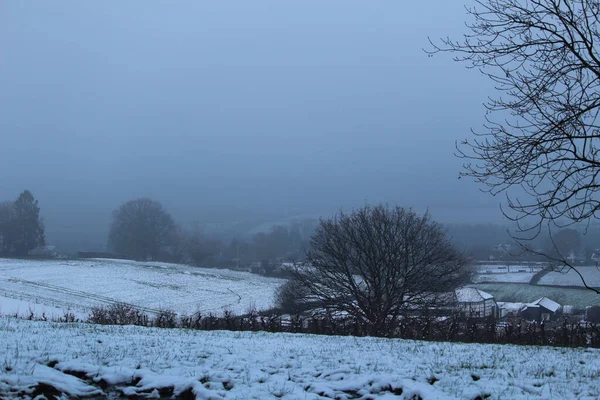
{"x":224,"y":109}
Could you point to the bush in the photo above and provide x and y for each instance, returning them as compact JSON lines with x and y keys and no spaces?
{"x":292,"y":298}
{"x":165,"y":319}
{"x":116,"y":314}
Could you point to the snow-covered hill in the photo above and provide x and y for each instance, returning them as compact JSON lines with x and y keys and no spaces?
{"x":38,"y":357}
{"x":54,"y":286}
{"x":570,"y":277}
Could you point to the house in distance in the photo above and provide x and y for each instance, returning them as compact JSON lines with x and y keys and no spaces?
{"x":543,"y":309}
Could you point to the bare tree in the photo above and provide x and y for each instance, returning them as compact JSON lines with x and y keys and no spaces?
{"x":142,"y":229}
{"x":292,"y":297}
{"x":378,"y":262}
{"x":542,"y":133}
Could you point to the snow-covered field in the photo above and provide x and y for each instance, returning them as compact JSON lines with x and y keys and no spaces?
{"x":53,"y":287}
{"x":509,"y":268}
{"x":130,"y":360}
{"x":569,"y":277}
{"x":512,"y":277}
{"x":499,"y":273}
{"x":24,"y":307}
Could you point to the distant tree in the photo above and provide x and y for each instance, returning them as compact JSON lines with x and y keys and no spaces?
{"x":238,"y":252}
{"x":268,"y":267}
{"x":27,"y":230}
{"x":280,"y":242}
{"x":564,"y":243}
{"x":376,"y":262}
{"x":7,"y":227}
{"x":272,"y":244}
{"x":196,"y":248}
{"x":142,"y":229}
{"x":190,"y":244}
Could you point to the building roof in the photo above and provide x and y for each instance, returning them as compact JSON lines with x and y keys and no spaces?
{"x":471,"y":295}
{"x":546,"y":303}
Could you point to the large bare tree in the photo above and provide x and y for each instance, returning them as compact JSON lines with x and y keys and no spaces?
{"x":376,"y":262}
{"x":142,"y":229}
{"x":542,"y":133}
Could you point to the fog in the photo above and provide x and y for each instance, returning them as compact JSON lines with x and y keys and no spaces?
{"x":234,"y":111}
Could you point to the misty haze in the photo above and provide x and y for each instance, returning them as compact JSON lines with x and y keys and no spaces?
{"x":242,"y":112}
{"x":299,"y":199}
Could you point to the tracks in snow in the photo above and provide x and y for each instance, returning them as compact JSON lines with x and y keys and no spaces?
{"x":79,"y":294}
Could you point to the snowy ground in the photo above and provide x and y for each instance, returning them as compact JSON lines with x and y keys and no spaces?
{"x":569,"y":277}
{"x":77,"y":285}
{"x":512,"y":277}
{"x":509,"y":268}
{"x":498,"y":273}
{"x":113,"y":360}
{"x":35,"y":309}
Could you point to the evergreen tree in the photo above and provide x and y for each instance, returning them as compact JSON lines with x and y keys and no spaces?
{"x":28,"y":227}
{"x":7,"y":227}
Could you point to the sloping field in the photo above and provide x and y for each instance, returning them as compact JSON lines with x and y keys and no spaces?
{"x":505,"y":273}
{"x":569,"y":277}
{"x":109,"y":361}
{"x":78,"y":285}
{"x":512,"y":277}
{"x":500,"y":268}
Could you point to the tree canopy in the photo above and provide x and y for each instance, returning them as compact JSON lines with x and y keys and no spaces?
{"x":377,"y":262}
{"x":142,"y":229}
{"x":21,"y":228}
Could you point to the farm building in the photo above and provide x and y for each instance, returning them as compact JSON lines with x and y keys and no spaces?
{"x":476,"y":303}
{"x":543,"y":309}
{"x":509,"y":309}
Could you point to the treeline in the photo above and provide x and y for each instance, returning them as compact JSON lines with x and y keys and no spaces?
{"x":495,"y":242}
{"x":143,"y":229}
{"x":21,"y":228}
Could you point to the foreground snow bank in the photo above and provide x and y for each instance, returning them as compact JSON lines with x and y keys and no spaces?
{"x":81,"y":360}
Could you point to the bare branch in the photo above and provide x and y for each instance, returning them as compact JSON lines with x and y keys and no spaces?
{"x":542,"y":134}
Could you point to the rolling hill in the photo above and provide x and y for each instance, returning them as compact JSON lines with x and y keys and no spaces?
{"x":52,"y":287}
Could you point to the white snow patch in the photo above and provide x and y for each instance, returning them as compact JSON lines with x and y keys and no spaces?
{"x":513,"y":277}
{"x":258,"y":365}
